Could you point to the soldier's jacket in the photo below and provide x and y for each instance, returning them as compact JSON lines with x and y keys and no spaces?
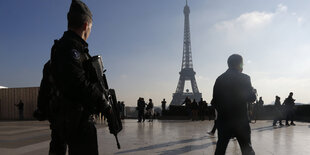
{"x":231,"y":93}
{"x":80,"y":96}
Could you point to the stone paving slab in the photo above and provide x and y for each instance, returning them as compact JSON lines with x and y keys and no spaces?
{"x":166,"y":137}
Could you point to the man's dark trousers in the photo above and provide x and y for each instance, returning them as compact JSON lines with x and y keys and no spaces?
{"x":141,"y":115}
{"x":240,"y":129}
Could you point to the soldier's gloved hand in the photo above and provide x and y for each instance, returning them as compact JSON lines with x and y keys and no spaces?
{"x":107,"y":112}
{"x":39,"y":115}
{"x":104,"y":107}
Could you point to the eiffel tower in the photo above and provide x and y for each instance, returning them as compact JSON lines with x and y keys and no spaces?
{"x":187,"y":72}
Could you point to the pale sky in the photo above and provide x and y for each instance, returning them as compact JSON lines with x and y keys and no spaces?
{"x":141,"y":43}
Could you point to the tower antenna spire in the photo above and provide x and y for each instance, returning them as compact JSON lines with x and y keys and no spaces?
{"x":187,"y":72}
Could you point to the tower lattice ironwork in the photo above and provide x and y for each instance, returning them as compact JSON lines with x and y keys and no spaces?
{"x":187,"y":72}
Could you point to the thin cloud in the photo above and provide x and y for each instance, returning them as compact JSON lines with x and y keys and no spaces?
{"x":247,"y":21}
{"x":282,"y":8}
{"x":255,"y":20}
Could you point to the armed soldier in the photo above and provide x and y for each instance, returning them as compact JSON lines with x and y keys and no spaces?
{"x":72,"y":123}
{"x":231,"y":93}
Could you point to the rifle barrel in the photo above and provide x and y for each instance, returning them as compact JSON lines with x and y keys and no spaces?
{"x":118,"y":145}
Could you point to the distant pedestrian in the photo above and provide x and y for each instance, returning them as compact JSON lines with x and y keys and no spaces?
{"x":260,"y":105}
{"x":141,"y":108}
{"x":289,"y":105}
{"x":20,"y":107}
{"x":261,"y":102}
{"x":188,"y":106}
{"x":212,"y":132}
{"x":202,"y":109}
{"x":150,"y":110}
{"x":254,"y":111}
{"x":278,"y":112}
{"x":194,"y":110}
{"x":163,"y":105}
{"x":123,"y":110}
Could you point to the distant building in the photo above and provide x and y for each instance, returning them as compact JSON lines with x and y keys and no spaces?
{"x":131,"y":112}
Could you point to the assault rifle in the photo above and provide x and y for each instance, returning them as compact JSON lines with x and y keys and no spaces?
{"x":114,"y":120}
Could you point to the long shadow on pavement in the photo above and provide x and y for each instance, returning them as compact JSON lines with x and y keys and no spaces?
{"x":186,"y":149}
{"x":156,"y":146}
{"x":265,"y":128}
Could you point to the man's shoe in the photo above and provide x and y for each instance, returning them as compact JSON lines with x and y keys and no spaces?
{"x":287,"y":124}
{"x":293,"y":124}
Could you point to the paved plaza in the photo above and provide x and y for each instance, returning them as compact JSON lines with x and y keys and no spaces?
{"x":166,"y":137}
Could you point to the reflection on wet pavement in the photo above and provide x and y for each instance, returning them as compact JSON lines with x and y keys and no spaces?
{"x":160,"y":137}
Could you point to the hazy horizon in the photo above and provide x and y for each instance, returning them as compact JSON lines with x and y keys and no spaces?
{"x":142,"y":42}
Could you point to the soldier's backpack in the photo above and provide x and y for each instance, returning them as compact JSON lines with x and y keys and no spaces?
{"x":48,"y":94}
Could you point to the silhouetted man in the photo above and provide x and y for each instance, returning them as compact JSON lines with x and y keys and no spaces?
{"x":123,"y":109}
{"x":261,"y":105}
{"x":261,"y":102}
{"x":188,"y":105}
{"x":163,"y":105}
{"x":141,"y":108}
{"x":202,"y":109}
{"x":150,"y":110}
{"x":231,"y":93}
{"x":194,"y":108}
{"x":289,"y":104}
{"x":20,"y":107}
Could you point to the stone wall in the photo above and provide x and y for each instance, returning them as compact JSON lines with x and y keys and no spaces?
{"x":11,"y":96}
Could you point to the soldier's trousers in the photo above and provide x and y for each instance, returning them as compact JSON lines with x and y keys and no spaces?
{"x":82,"y":142}
{"x":58,"y":144}
{"x":241,"y":130}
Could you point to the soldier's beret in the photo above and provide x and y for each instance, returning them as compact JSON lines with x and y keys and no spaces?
{"x":79,"y":8}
